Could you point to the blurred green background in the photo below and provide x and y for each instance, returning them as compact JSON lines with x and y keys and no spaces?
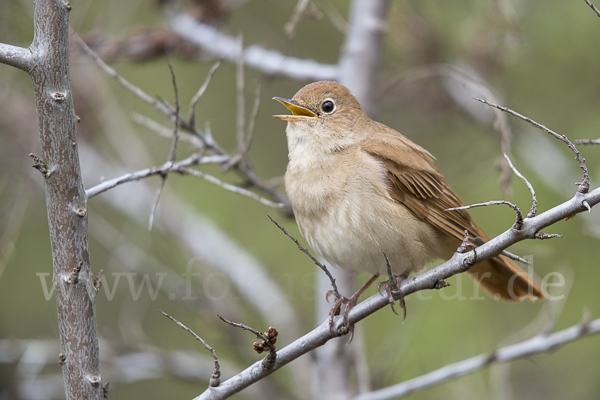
{"x":540,"y":60}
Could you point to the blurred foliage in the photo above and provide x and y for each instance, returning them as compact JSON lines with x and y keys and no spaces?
{"x":539,"y":60}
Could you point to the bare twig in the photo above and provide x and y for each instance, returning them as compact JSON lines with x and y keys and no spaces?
{"x":156,"y":200}
{"x":533,"y":209}
{"x":215,"y":379}
{"x":305,"y":251}
{"x":544,"y":236}
{"x":241,"y":95}
{"x":122,"y":81}
{"x":515,"y":257}
{"x":194,"y":159}
{"x":200,"y":92}
{"x":247,"y":140}
{"x":588,"y":142}
{"x":290,"y":26}
{"x":228,"y":186}
{"x":584,"y":185}
{"x":269,"y":338}
{"x":173,"y":151}
{"x":542,"y":343}
{"x":589,"y":3}
{"x":518,"y":222}
{"x":167,"y":132}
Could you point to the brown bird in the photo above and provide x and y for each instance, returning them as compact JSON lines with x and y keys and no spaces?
{"x":360,"y":189}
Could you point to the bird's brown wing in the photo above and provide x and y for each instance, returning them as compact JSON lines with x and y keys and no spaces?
{"x":416,"y":183}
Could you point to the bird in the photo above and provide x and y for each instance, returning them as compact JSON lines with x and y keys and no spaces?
{"x":360,"y":190}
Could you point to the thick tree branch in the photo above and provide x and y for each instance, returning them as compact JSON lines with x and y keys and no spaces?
{"x":66,"y":201}
{"x":541,"y":343}
{"x":268,"y":61}
{"x":17,"y":57}
{"x":426,"y":280}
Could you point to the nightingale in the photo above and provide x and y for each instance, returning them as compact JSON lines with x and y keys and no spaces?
{"x":360,"y":189}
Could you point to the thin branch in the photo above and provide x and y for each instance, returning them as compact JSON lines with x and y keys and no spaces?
{"x":589,"y":3}
{"x":542,"y":343}
{"x":584,"y":186}
{"x":428,"y":279}
{"x":240,"y":82}
{"x":588,"y":142}
{"x":201,"y":90}
{"x":305,"y":251}
{"x":533,"y":209}
{"x":518,"y":222}
{"x":122,"y":81}
{"x":215,"y":379}
{"x":515,"y":257}
{"x":180,"y":168}
{"x":290,"y":26}
{"x":173,"y":151}
{"x":159,"y":190}
{"x":247,"y":140}
{"x":18,"y":57}
{"x":228,"y":186}
{"x":268,"y":61}
{"x":194,"y":159}
{"x":167,"y":132}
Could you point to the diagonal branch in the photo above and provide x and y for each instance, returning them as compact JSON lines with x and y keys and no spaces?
{"x":426,"y":280}
{"x":593,"y":7}
{"x":216,"y":376}
{"x":584,"y":186}
{"x":542,"y":343}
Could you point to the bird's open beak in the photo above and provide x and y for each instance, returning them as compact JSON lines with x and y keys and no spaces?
{"x":298,"y":112}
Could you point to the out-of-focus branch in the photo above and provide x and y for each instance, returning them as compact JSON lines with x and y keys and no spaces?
{"x":17,"y":57}
{"x":588,"y":142}
{"x":269,"y":62}
{"x":361,"y":57}
{"x":542,"y":343}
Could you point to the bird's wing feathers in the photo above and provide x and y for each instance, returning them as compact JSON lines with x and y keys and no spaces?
{"x":417,"y":184}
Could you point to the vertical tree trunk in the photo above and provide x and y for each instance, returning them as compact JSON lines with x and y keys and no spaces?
{"x":66,"y":200}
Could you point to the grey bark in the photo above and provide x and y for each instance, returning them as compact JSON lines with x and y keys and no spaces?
{"x":47,"y":61}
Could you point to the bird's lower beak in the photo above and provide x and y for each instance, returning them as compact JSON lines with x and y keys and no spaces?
{"x":298,"y":112}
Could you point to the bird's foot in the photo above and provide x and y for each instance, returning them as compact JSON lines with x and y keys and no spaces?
{"x":348,"y":303}
{"x":393,"y":285}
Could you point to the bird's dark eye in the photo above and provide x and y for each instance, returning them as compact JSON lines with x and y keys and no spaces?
{"x":327,"y":106}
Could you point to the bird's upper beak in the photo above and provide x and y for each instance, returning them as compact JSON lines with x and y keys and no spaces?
{"x":299,"y":113}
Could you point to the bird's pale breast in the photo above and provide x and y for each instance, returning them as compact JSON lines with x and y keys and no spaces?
{"x":349,"y":218}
